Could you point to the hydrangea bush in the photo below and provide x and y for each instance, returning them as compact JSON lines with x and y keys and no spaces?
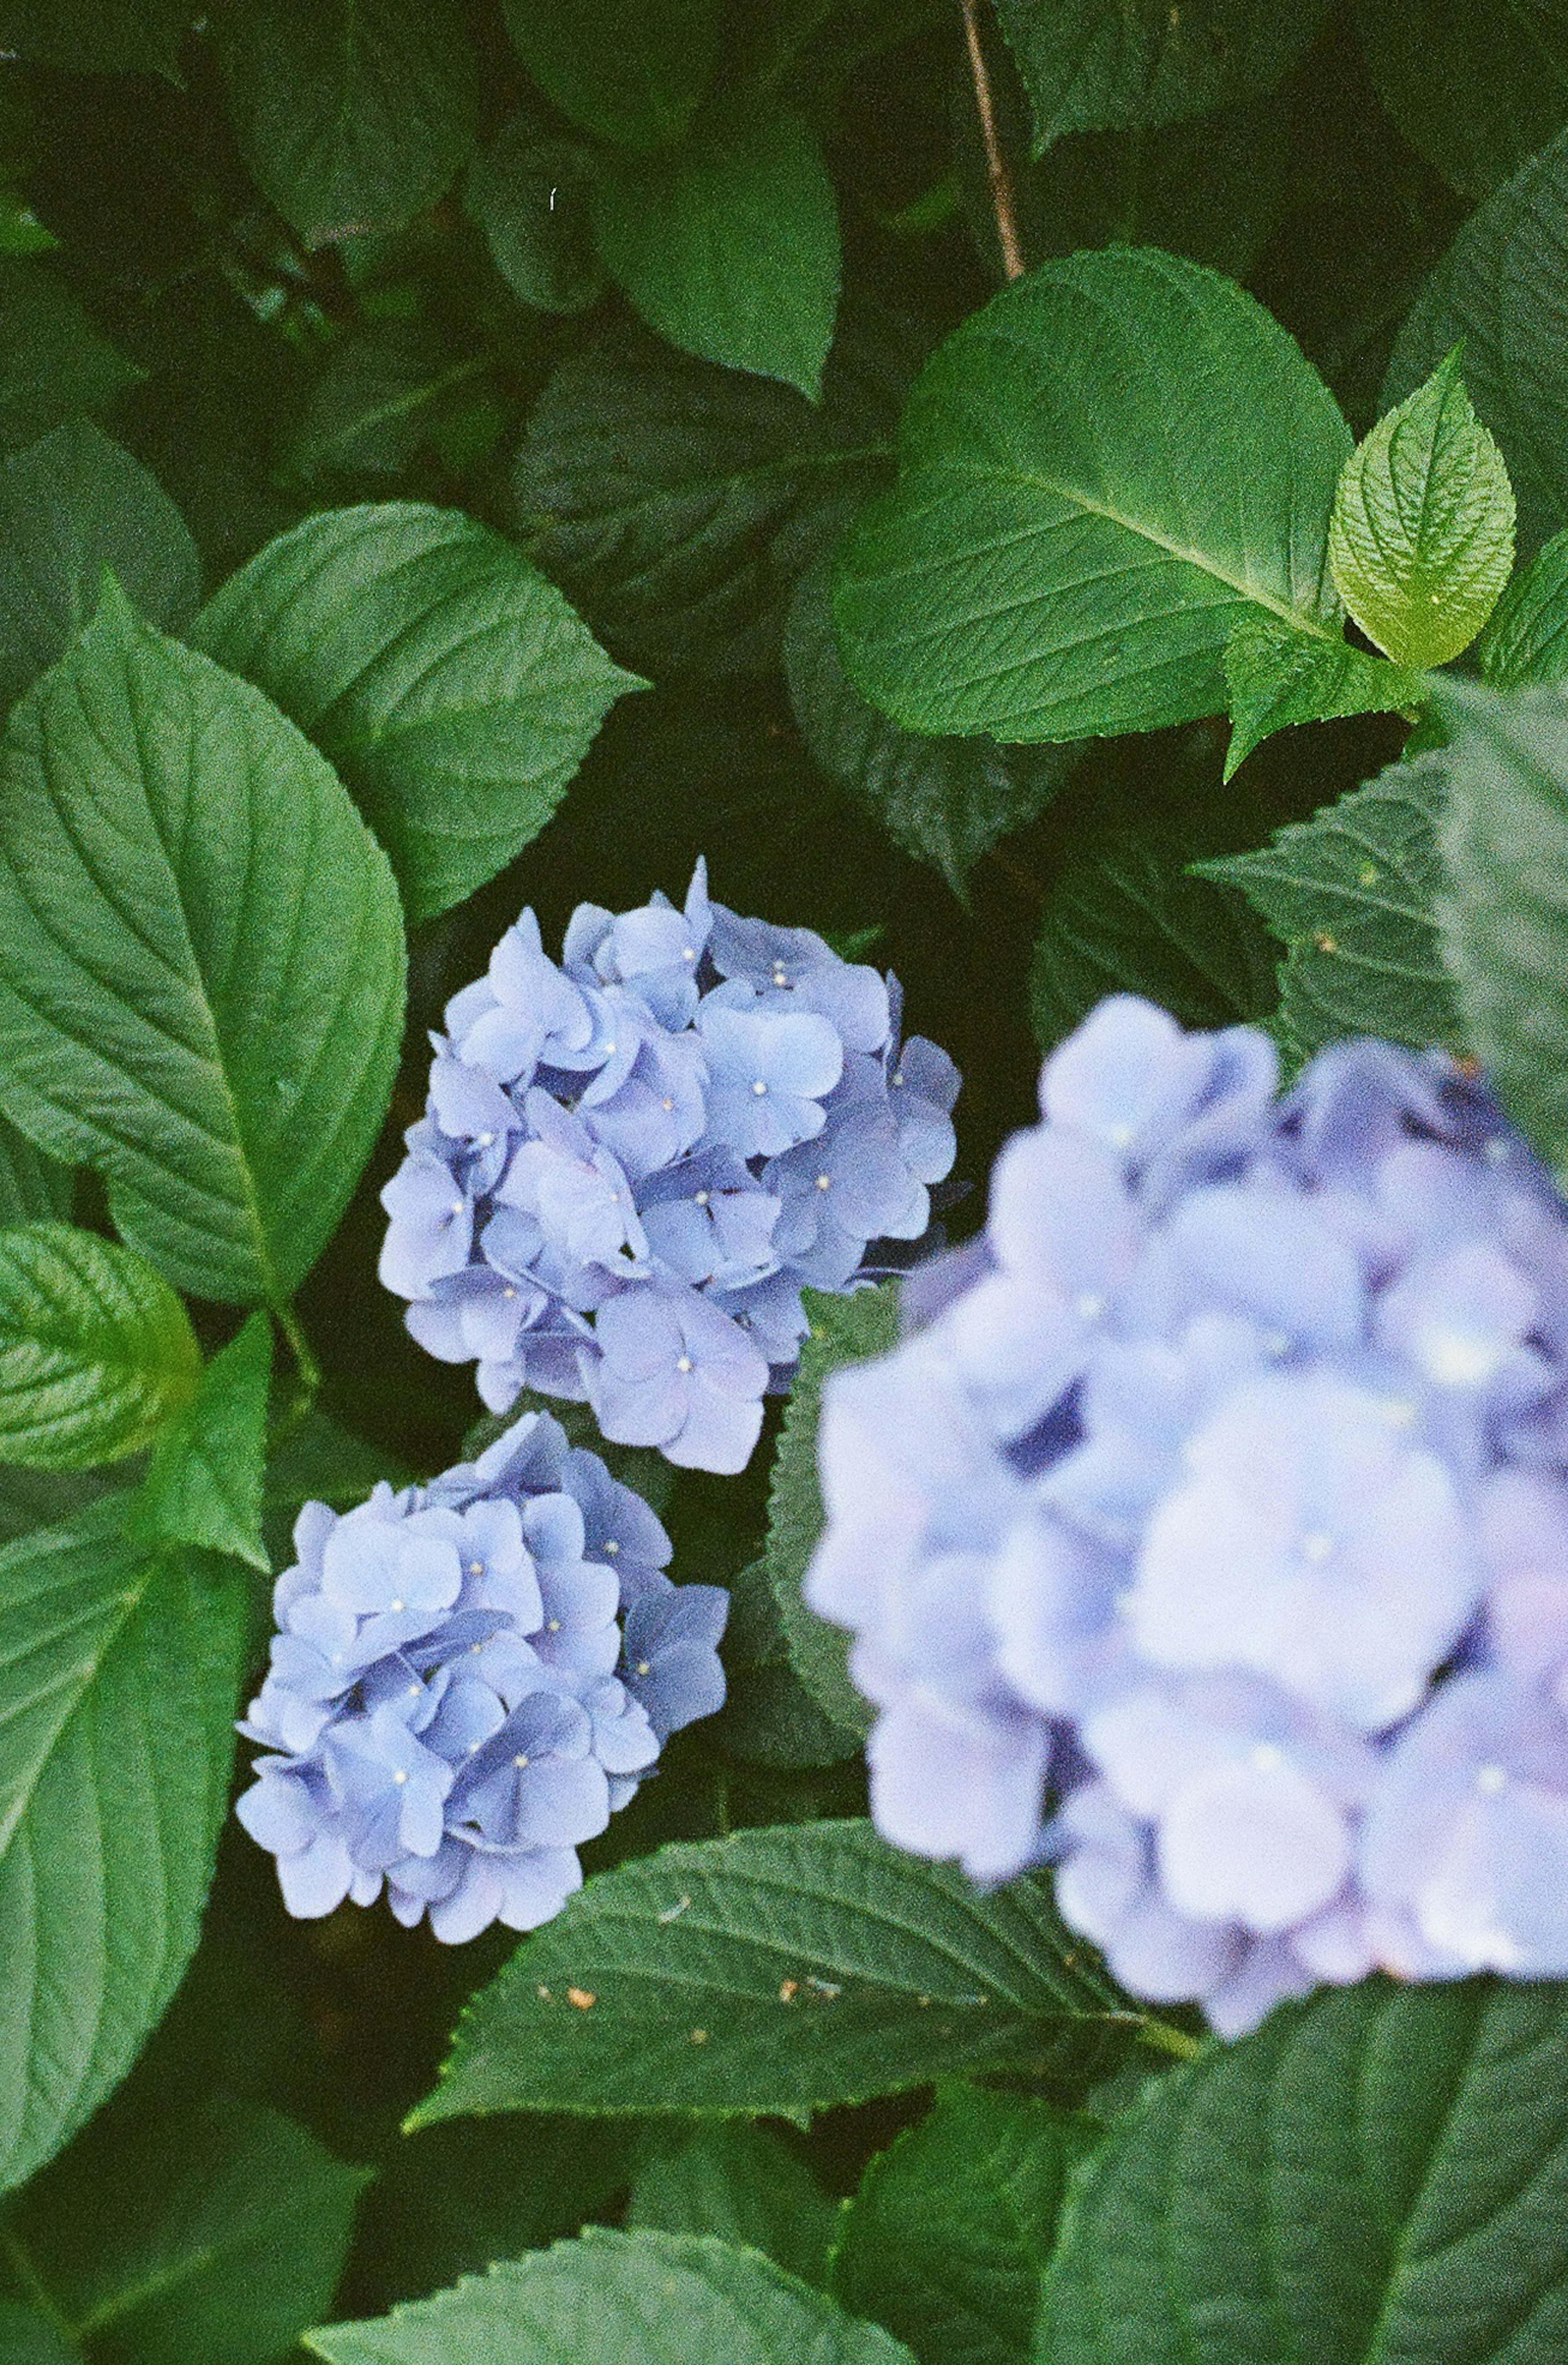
{"x":961,"y":1756}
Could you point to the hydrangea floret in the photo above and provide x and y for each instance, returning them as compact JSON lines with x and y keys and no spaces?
{"x":1208,"y":1533}
{"x":467,"y":1679}
{"x":632,"y":1161}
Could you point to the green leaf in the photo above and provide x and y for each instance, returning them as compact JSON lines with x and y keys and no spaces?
{"x":629,"y":71}
{"x":1525,"y":637}
{"x":1128,"y":918}
{"x":1504,"y":910}
{"x":53,"y":360}
{"x":1101,"y":473}
{"x":744,"y":2184}
{"x":729,"y":245}
{"x":774,"y":1972}
{"x":31,"y":1499}
{"x":21,"y":233}
{"x":28,"y":2338}
{"x":618,"y":2299}
{"x":1106,"y":65}
{"x":1382,"y":2173}
{"x":1476,"y":85}
{"x":1498,"y":289}
{"x":69,"y":506}
{"x":381,"y":397}
{"x":949,"y":2234}
{"x":31,"y":1185}
{"x":770,"y":1717}
{"x":527,"y":193}
{"x":1350,"y":895}
{"x":96,"y":1352}
{"x":178,"y":862}
{"x":448,"y":680}
{"x":1421,"y":540}
{"x":353,"y":114}
{"x":204,"y":1484}
{"x":98,"y":36}
{"x":217,"y":2232}
{"x":946,"y":802}
{"x":116,"y":1697}
{"x":1277,"y":677}
{"x":844,"y":1330}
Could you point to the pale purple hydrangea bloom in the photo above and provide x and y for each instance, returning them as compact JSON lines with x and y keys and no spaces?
{"x":466,"y":1680}
{"x":632,"y":1162}
{"x":1208,"y":1535}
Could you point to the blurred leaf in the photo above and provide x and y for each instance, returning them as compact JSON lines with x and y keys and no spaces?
{"x":53,"y":360}
{"x":1277,"y":677}
{"x":69,"y":506}
{"x":770,"y":1717}
{"x":168,"y":835}
{"x":28,"y":2338}
{"x":353,"y":114}
{"x":744,"y":2184}
{"x":31,"y":1185}
{"x":116,"y":1744}
{"x":21,"y":233}
{"x":527,"y":193}
{"x":451,"y":683}
{"x":203,"y":1485}
{"x":1525,"y":637}
{"x":380,"y":397}
{"x":729,"y":245}
{"x":1476,"y":85}
{"x":41,"y":1499}
{"x":323,"y":1461}
{"x":96,"y":1352}
{"x":632,"y":71}
{"x":1098,"y":65}
{"x":98,"y":36}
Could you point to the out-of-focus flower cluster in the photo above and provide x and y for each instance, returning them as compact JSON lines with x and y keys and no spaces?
{"x":633,"y":1160}
{"x":1209,"y":1532}
{"x":466,"y":1680}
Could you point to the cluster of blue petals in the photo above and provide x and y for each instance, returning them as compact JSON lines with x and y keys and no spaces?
{"x":633,"y":1159}
{"x":1208,"y":1533}
{"x":467,"y":1679}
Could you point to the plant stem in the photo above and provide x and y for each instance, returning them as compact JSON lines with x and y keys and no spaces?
{"x":305,"y":1364}
{"x":997,"y":173}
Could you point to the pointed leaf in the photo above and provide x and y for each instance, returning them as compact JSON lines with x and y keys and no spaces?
{"x":1525,"y":637}
{"x":632,"y":71}
{"x":204,"y":1484}
{"x":1106,"y":65}
{"x":744,"y":2184}
{"x":1277,"y":676}
{"x":96,"y":1352}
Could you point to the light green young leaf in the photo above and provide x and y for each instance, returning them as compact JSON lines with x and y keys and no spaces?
{"x":178,"y":861}
{"x":96,"y":1352}
{"x":116,"y":1742}
{"x":69,"y":506}
{"x":1504,"y":910}
{"x":1476,"y":85}
{"x":1101,"y":473}
{"x":1111,"y":65}
{"x":1526,"y":638}
{"x":629,"y":70}
{"x":618,"y":2299}
{"x":98,"y":36}
{"x":204,"y":1484}
{"x":1277,"y":676}
{"x":450,"y":682}
{"x":728,"y":246}
{"x":744,"y":2184}
{"x":31,"y":1185}
{"x":1380,"y":2173}
{"x":776,"y":1972}
{"x":1421,"y":540}
{"x":951,"y":2230}
{"x":53,"y":362}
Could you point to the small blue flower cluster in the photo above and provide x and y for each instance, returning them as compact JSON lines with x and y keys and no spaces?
{"x":1209,"y":1532}
{"x":631,"y":1162}
{"x":466,"y":1680}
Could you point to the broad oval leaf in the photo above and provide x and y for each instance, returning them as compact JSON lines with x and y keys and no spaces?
{"x":96,"y":1352}
{"x":201,"y":958}
{"x":117,"y":1690}
{"x":1525,"y":637}
{"x":1107,"y":65}
{"x":746,"y":2184}
{"x":1476,"y":85}
{"x":527,"y":193}
{"x":775,"y":1971}
{"x":447,"y":680}
{"x":1379,"y":2174}
{"x":632,"y":71}
{"x":1101,"y":474}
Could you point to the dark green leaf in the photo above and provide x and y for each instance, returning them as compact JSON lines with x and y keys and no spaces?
{"x":729,"y":246}
{"x":620,"y":2299}
{"x":1277,"y":676}
{"x":769,"y":1717}
{"x":744,"y":2184}
{"x":1503,"y":913}
{"x":1102,"y":65}
{"x":115,"y":1696}
{"x":527,"y":192}
{"x":98,"y":36}
{"x":944,"y":801}
{"x":353,"y":114}
{"x":96,"y":1352}
{"x":1476,"y":85}
{"x":180,"y":863}
{"x":52,"y":361}
{"x":204,"y":1484}
{"x":1350,"y":894}
{"x":449,"y":681}
{"x":1527,"y":636}
{"x":69,"y":506}
{"x":21,"y":233}
{"x":949,"y":2234}
{"x":774,"y":1972}
{"x":1379,"y":2174}
{"x":41,"y":1499}
{"x":632,"y":71}
{"x":216,"y":2232}
{"x":1101,"y":473}
{"x":31,"y":1185}
{"x":28,"y":2338}
{"x":844,"y":1330}
{"x":381,"y":395}
{"x":1128,"y":918}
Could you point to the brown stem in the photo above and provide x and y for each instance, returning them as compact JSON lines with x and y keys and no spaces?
{"x":996,"y":166}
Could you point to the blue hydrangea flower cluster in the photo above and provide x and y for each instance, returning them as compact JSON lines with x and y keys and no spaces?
{"x":467,"y":1679}
{"x":631,"y":1162}
{"x":1208,"y":1533}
